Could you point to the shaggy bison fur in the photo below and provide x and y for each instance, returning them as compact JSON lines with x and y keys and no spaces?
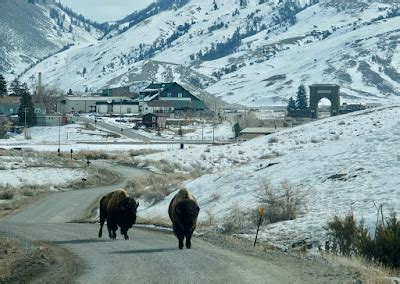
{"x":120,"y":210}
{"x":183,"y":211}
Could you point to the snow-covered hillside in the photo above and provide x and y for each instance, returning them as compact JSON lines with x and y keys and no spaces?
{"x":257,"y":54}
{"x":340,"y":163}
{"x":33,"y":30}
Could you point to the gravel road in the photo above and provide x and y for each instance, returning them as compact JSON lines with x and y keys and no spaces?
{"x":149,"y":256}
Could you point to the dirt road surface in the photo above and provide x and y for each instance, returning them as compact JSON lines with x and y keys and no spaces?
{"x":149,"y":256}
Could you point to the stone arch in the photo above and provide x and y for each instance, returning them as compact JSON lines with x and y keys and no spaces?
{"x":328,"y":91}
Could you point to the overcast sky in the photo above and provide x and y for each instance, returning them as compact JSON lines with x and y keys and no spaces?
{"x":105,"y":10}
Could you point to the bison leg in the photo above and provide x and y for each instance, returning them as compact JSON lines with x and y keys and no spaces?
{"x":180,"y":239}
{"x":101,"y":229}
{"x":112,"y":228}
{"x":103,"y":217}
{"x":124,"y":231}
{"x":188,"y":241}
{"x":180,"y":235}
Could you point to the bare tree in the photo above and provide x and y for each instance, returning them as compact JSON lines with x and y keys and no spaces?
{"x":49,"y":98}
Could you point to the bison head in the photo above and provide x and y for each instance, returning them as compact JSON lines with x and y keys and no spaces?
{"x":128,"y":207}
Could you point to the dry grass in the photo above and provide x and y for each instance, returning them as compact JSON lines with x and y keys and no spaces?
{"x":370,"y":272}
{"x":9,"y":254}
{"x":155,"y":187}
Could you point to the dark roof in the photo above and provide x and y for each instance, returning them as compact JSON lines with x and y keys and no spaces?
{"x":160,"y":104}
{"x":164,"y":86}
{"x":196,"y":105}
{"x":117,"y":102}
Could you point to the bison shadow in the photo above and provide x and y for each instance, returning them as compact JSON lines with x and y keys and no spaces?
{"x":139,"y":251}
{"x":82,"y":241}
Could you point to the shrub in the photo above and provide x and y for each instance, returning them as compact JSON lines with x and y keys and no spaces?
{"x":281,"y":203}
{"x":238,"y":219}
{"x":7,"y":195}
{"x":272,"y":140}
{"x":348,"y":238}
{"x":155,"y":187}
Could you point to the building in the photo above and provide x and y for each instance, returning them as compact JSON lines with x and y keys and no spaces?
{"x":179,"y":98}
{"x":126,"y":106}
{"x":116,"y":92}
{"x":9,"y":105}
{"x":157,"y":107}
{"x":252,"y":132}
{"x":346,"y":108}
{"x":149,"y":120}
{"x":83,"y":104}
{"x":51,"y":120}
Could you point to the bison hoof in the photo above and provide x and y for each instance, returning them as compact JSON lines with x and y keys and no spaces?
{"x":126,"y":237}
{"x":100,"y":235}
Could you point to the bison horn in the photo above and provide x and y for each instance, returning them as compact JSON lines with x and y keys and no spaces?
{"x":137,"y":204}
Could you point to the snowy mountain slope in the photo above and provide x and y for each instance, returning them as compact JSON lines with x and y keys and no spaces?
{"x":341,"y":163}
{"x":253,"y":55}
{"x":32,"y":30}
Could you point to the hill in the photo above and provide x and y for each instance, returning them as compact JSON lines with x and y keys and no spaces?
{"x":342,"y":163}
{"x":248,"y":52}
{"x":32,"y":30}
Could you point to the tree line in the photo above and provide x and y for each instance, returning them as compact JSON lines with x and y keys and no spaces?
{"x":26,"y":110}
{"x":299,"y":106}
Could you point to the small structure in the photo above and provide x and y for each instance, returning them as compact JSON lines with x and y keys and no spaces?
{"x":328,"y":91}
{"x":9,"y":105}
{"x":149,"y":120}
{"x":347,"y":108}
{"x":252,"y":132}
{"x":51,"y":120}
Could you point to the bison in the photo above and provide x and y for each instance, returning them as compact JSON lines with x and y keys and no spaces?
{"x":120,"y":210}
{"x":183,"y":211}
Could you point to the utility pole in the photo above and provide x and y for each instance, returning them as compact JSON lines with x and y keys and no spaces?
{"x":59,"y":135}
{"x":213,"y":129}
{"x":25,"y":110}
{"x":120,"y":114}
{"x":202,"y":131}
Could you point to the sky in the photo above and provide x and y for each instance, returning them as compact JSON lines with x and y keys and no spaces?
{"x":105,"y":10}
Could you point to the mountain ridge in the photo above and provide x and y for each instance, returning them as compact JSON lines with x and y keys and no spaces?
{"x":256,"y":54}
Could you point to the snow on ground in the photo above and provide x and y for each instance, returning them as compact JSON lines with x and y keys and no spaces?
{"x":194,"y":131}
{"x":29,"y":171}
{"x":77,"y":138}
{"x":39,"y":176}
{"x":362,"y":147}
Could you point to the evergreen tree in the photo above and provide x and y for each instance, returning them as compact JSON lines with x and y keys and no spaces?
{"x":215,"y":6}
{"x":26,"y":107}
{"x":301,"y":99}
{"x":3,"y":86}
{"x":237,"y":129}
{"x":291,"y":107}
{"x":16,"y":88}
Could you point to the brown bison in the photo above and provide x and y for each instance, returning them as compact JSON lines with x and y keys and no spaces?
{"x":120,"y":210}
{"x":183,"y":211}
